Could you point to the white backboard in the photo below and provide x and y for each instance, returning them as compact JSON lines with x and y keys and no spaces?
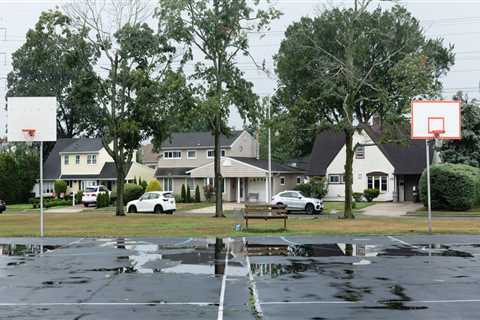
{"x":37,"y":113}
{"x":442,"y":117}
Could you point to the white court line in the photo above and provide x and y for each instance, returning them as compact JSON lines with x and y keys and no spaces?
{"x":67,"y":245}
{"x":402,"y":242}
{"x":53,"y":304}
{"x":224,"y":284}
{"x":289,"y":242}
{"x":253,"y":286}
{"x":309,"y":302}
{"x":75,"y":242}
{"x":183,"y":242}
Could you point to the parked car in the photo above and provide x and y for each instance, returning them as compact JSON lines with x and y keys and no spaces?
{"x":155,"y":201}
{"x":296,"y":201}
{"x":90,"y":194}
{"x":3,"y":206}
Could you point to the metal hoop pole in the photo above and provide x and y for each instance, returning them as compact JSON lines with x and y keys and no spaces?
{"x":429,"y":199}
{"x":41,"y":189}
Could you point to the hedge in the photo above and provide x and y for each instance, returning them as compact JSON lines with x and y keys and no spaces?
{"x":103,"y":200}
{"x":132,"y":192}
{"x":50,"y":202}
{"x":453,"y":187}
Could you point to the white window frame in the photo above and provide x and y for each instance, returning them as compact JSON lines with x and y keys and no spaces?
{"x":222,"y":153}
{"x":372,"y":180}
{"x":168,"y":187}
{"x":92,"y":159}
{"x":66,"y":159}
{"x":282,"y":180}
{"x":77,"y":159}
{"x":341,"y":178}
{"x":194,"y":157}
{"x":169,"y":155}
{"x":360,"y":152}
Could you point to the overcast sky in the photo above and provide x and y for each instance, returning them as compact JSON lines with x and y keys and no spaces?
{"x":457,"y":22}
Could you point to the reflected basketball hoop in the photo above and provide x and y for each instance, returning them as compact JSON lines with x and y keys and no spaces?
{"x":29,"y":133}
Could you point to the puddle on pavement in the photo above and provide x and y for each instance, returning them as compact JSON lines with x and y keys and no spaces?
{"x":24,"y":250}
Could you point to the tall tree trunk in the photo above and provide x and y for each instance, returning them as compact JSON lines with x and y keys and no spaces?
{"x":348,"y":177}
{"x":120,"y":208}
{"x":218,"y":173}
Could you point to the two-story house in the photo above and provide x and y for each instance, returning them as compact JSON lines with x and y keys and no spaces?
{"x":392,"y":168}
{"x":188,"y":158}
{"x":83,"y":162}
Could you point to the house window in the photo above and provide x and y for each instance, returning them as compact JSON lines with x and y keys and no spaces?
{"x":191,"y":154}
{"x":282,"y":181}
{"x":172,"y":155}
{"x":191,"y":183}
{"x":77,"y":159}
{"x":299,"y":180}
{"x":92,"y":159}
{"x":66,"y":160}
{"x":336,"y":179}
{"x":360,"y":152}
{"x":168,"y":184}
{"x":378,"y":182}
{"x":211,"y":153}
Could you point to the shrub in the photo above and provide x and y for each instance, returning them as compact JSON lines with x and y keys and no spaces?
{"x":153,"y":185}
{"x":144,"y":185}
{"x":78,"y":196}
{"x":453,"y":186}
{"x":60,"y":186}
{"x":358,"y":196}
{"x":183,"y":195}
{"x":371,"y":194}
{"x":189,"y":195}
{"x":132,"y":192}
{"x":103,"y":200}
{"x":49,"y":202}
{"x":315,"y":188}
{"x":197,"y":194}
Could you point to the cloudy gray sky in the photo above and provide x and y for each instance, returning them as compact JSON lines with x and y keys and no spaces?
{"x":457,"y":22}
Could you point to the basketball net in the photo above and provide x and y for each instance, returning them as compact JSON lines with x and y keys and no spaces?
{"x":437,"y":133}
{"x":29,"y":134}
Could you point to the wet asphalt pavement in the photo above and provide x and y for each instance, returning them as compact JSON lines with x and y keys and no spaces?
{"x":401,"y":277}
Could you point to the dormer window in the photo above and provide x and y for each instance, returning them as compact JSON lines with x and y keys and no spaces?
{"x":191,"y":154}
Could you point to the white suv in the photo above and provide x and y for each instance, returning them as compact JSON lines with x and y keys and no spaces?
{"x":155,"y":201}
{"x":90,"y":194}
{"x":295,"y":200}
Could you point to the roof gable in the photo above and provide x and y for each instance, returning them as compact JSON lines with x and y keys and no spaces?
{"x":194,"y":140}
{"x":84,"y":145}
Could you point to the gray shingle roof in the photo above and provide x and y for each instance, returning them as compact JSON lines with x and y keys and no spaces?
{"x":84,"y":145}
{"x":172,"y":172}
{"x":51,"y":167}
{"x":198,"y":140}
{"x":263,"y":164}
{"x":407,"y":158}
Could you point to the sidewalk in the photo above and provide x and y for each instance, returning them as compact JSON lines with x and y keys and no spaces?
{"x":391,"y":209}
{"x":208,"y":211}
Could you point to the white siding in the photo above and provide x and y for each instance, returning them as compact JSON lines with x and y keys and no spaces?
{"x":374,"y":160}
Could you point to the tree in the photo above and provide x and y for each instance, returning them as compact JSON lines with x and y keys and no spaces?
{"x":188,"y":197}
{"x":138,"y":93}
{"x":344,"y":66}
{"x":215,"y":33}
{"x":467,"y":150}
{"x":183,"y":194}
{"x":60,"y":186}
{"x":55,"y":60}
{"x":197,"y":194}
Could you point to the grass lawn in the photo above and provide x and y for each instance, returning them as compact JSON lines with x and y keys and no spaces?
{"x":104,"y":224}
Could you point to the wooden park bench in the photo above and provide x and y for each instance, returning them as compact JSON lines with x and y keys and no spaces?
{"x":265,"y":212}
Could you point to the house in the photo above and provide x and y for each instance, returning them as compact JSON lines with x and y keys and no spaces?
{"x":82,"y":162}
{"x":392,"y":168}
{"x":188,"y":159}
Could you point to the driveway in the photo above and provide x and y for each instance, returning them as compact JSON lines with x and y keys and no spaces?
{"x":391,"y":209}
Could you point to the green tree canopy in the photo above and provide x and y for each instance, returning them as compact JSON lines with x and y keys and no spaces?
{"x":56,"y":60}
{"x":346,"y":65}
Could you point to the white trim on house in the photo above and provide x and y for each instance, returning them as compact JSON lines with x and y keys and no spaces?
{"x":231,"y":159}
{"x":172,"y":157}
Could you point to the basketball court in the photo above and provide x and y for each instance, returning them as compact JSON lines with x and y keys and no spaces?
{"x":394,"y":277}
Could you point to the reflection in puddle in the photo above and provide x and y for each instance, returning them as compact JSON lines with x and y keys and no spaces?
{"x":24,"y":250}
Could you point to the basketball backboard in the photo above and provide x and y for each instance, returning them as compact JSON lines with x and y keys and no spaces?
{"x":31,"y":119}
{"x":436,"y":119}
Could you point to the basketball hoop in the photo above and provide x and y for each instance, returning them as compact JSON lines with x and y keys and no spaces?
{"x":437,"y":133}
{"x":29,"y":132}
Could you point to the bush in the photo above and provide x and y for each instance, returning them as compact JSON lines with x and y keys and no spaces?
{"x":153,"y":185}
{"x":358,"y":196}
{"x":197,"y":194}
{"x":453,"y":187}
{"x":132,"y":192}
{"x":78,"y":196}
{"x":49,"y":202}
{"x":60,"y":186}
{"x":315,"y":188}
{"x":103,"y":200}
{"x":183,"y":195}
{"x":189,"y":195}
{"x":144,"y":185}
{"x":371,"y":194}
